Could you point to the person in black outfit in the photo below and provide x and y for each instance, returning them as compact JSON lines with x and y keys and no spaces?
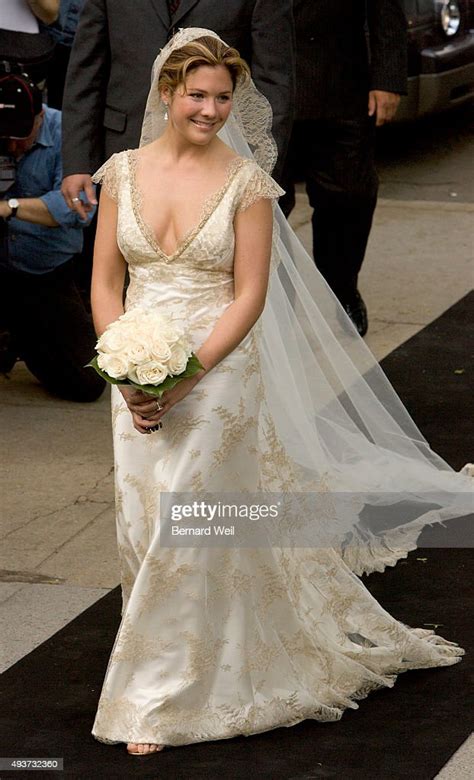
{"x":348,"y":83}
{"x":62,"y":32}
{"x":109,"y":74}
{"x":110,"y":67}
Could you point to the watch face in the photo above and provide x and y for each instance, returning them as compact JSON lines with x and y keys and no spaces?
{"x":13,"y":203}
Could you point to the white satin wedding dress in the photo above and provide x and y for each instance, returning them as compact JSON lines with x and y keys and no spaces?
{"x":217,"y":642}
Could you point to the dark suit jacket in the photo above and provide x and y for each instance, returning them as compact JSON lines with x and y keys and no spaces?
{"x":334,"y":71}
{"x":116,"y":43}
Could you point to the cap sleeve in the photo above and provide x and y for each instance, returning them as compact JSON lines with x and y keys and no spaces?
{"x":107,"y":176}
{"x":259,"y":185}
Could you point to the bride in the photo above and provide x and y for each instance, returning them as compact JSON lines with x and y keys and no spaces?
{"x":217,"y":641}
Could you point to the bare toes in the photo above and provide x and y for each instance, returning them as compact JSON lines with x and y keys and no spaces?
{"x":143,"y":748}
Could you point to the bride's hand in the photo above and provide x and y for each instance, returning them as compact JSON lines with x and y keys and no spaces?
{"x":141,"y":406}
{"x":145,"y":408}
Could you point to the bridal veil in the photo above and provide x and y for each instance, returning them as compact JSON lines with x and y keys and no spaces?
{"x":344,"y":434}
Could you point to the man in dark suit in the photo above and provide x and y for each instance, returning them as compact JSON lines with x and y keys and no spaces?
{"x":344,"y":90}
{"x":110,"y":67}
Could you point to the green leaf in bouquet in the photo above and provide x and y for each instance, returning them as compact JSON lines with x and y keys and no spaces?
{"x":193,"y":367}
{"x":94,"y":364}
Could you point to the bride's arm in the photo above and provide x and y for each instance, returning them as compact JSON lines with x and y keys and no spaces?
{"x":108,"y":270}
{"x":108,"y":278}
{"x":253,"y":244}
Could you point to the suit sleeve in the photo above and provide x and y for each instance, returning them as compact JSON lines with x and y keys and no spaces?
{"x":388,"y":45}
{"x":273,"y":66}
{"x":85,"y":91}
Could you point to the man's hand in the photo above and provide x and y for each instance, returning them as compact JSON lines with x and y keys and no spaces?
{"x":46,"y":10}
{"x":384,"y":105}
{"x":5,"y":209}
{"x":71,"y":188}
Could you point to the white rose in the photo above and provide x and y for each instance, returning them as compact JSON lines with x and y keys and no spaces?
{"x":172,"y":332}
{"x":159,"y":349}
{"x":178,"y":360}
{"x":113,"y":339}
{"x":162,"y":330}
{"x":137,"y":352}
{"x":150,"y":373}
{"x":184,"y":343}
{"x":133,"y":315}
{"x":115,"y":366}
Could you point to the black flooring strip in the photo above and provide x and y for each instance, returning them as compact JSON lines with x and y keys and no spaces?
{"x":48,"y":699}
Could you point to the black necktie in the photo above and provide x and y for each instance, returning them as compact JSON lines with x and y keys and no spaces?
{"x":173,"y":6}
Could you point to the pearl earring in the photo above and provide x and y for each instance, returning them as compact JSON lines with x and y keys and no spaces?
{"x":166,"y":112}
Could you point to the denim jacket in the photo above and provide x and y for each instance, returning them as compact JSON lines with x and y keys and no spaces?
{"x":64,"y":28}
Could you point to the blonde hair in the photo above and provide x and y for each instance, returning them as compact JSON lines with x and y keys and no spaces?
{"x":202,"y":51}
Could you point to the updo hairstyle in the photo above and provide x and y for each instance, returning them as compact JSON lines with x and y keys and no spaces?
{"x":203,"y":51}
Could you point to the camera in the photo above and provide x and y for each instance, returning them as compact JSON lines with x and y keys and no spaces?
{"x":20,"y":102}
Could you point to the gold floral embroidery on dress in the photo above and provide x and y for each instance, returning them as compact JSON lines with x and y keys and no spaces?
{"x":209,"y":206}
{"x":260,"y":656}
{"x":277,"y":466}
{"x":272,"y":587}
{"x":299,"y":643}
{"x":260,"y":185}
{"x":199,"y":393}
{"x":127,"y":578}
{"x":182,"y":725}
{"x":148,"y":492}
{"x":126,"y":436}
{"x":117,"y":410}
{"x":118,"y":495}
{"x":225,"y":580}
{"x":212,"y":299}
{"x":253,"y":361}
{"x":178,"y":428}
{"x":134,"y":647}
{"x":225,"y":368}
{"x":197,"y":483}
{"x":203,"y":652}
{"x":235,"y":428}
{"x":106,"y":175}
{"x":165,"y":576}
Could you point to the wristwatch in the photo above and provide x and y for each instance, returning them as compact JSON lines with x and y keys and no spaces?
{"x":14,"y":205}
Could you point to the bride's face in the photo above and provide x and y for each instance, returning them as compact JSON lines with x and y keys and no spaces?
{"x":200,"y":111}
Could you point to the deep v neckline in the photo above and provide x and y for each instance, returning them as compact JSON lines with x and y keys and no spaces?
{"x":207,"y":209}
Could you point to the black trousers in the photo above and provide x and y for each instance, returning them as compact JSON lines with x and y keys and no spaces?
{"x":336,"y":159}
{"x":56,"y":75}
{"x":51,"y":330}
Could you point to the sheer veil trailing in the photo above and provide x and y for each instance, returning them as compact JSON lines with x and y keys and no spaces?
{"x":342,"y":430}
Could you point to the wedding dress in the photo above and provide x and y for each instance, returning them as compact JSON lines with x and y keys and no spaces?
{"x":220,"y":641}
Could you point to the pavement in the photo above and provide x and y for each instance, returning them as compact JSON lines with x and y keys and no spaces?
{"x":58,"y":552}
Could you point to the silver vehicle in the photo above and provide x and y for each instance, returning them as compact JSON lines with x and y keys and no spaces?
{"x":440,"y":56}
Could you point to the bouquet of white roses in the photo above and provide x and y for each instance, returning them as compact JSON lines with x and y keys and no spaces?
{"x":147,"y":350}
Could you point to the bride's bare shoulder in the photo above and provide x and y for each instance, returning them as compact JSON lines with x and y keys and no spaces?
{"x":225,"y":154}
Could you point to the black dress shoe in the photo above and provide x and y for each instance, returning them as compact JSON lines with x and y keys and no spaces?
{"x":357,"y":311}
{"x":8,"y":353}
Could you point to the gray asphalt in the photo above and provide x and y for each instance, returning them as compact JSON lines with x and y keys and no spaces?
{"x":432,"y":159}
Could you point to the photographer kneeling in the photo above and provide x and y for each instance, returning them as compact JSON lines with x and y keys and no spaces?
{"x":40,"y":306}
